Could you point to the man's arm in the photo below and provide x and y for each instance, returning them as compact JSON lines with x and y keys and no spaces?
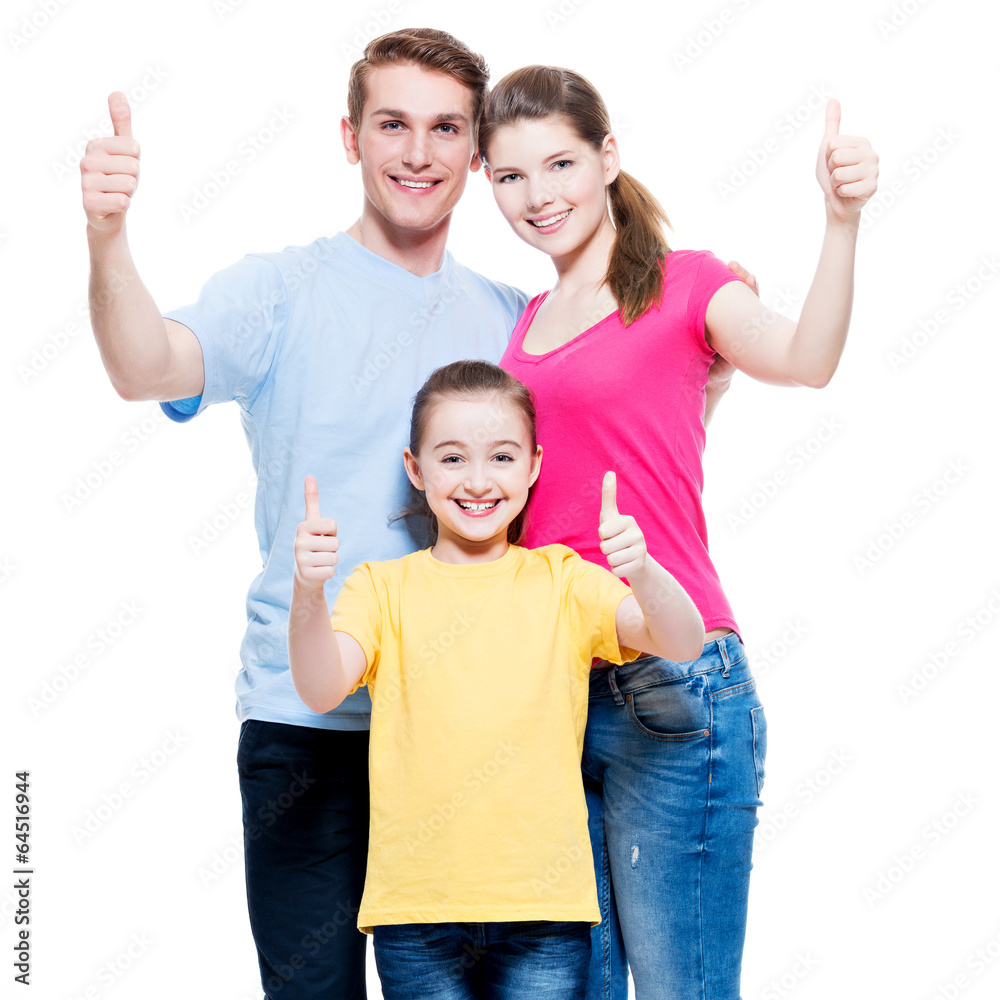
{"x":145,"y":356}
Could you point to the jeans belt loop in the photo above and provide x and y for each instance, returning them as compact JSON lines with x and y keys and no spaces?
{"x":726,"y":665}
{"x":619,"y":700}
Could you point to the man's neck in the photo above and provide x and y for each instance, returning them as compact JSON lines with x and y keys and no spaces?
{"x":420,"y":253}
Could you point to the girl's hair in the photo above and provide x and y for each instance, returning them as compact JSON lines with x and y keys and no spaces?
{"x":635,"y":267}
{"x":466,"y":380}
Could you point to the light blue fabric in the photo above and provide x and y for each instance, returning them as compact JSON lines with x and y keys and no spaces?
{"x":324,"y":347}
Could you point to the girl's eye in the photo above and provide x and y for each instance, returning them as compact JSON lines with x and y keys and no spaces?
{"x":507,"y":178}
{"x":562,"y":164}
{"x":503,"y":458}
{"x":451,"y":459}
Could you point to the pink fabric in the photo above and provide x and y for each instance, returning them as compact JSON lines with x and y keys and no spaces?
{"x":630,"y":399}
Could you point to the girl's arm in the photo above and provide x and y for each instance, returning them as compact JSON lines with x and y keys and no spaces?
{"x":325,"y":664}
{"x":658,"y":617}
{"x":773,"y":348}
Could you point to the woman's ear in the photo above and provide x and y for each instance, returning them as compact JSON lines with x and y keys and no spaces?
{"x":612,"y":163}
{"x":412,"y":467}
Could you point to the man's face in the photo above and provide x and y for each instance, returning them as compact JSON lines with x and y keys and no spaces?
{"x":415,"y":145}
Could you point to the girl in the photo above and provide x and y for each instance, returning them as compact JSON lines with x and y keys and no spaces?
{"x":618,"y":355}
{"x":477,"y":652}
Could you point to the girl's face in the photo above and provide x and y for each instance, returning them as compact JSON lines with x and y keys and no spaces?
{"x":551,"y":185}
{"x":476,"y":464}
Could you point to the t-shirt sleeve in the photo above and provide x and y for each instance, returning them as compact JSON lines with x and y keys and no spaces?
{"x":239,"y":320}
{"x":709,"y":277}
{"x":358,"y":612}
{"x":596,"y":593}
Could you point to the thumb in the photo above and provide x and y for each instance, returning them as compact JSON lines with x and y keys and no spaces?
{"x":121,"y":114}
{"x":832,"y":118}
{"x":609,"y":497}
{"x":312,"y":498}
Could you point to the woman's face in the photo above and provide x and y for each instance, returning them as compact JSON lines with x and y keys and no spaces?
{"x":550,"y":184}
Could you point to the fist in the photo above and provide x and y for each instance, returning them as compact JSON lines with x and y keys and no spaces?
{"x":110,"y":170}
{"x":622,"y":541}
{"x":847,"y":168}
{"x":316,"y":543}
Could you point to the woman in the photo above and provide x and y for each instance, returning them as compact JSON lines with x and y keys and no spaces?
{"x":618,"y":355}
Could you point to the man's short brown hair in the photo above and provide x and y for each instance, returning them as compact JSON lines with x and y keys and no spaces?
{"x":432,"y":50}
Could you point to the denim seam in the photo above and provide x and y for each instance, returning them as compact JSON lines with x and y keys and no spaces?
{"x":704,"y":838}
{"x":729,"y":692}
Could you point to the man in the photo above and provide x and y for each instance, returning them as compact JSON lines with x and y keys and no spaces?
{"x":323,"y":347}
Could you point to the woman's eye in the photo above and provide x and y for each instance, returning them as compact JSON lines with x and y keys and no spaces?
{"x":506,"y":178}
{"x":562,"y":164}
{"x":451,"y":459}
{"x":503,"y":458}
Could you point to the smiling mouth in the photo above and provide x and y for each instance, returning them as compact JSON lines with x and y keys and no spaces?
{"x":414,"y":185}
{"x":551,"y":220}
{"x":477,"y":506}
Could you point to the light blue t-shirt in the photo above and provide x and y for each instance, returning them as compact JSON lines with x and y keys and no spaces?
{"x":324,"y":348}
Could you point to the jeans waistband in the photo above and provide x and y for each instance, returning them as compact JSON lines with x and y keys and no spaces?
{"x":725,"y":654}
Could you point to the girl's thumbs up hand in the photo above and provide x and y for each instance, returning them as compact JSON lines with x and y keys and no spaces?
{"x":847,"y":168}
{"x":316,"y":543}
{"x":622,"y":540}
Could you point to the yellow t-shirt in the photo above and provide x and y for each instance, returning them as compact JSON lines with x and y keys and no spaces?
{"x":479,"y":677}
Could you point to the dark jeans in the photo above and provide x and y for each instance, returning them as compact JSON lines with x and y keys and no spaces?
{"x":519,"y":960}
{"x":305,"y":835}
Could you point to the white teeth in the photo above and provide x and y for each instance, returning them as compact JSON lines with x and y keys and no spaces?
{"x":474,"y":506}
{"x":416,"y":184}
{"x":542,"y":223}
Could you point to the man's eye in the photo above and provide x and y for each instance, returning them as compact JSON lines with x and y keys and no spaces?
{"x":392,"y":126}
{"x":450,"y":128}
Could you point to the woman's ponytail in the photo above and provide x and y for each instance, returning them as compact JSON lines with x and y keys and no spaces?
{"x":635,"y":267}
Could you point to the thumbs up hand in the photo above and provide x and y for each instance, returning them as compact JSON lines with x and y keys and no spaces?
{"x":622,"y":540}
{"x":847,"y":168}
{"x":110,"y":170}
{"x":316,"y":543}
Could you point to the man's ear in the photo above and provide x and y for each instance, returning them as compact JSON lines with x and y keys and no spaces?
{"x":412,"y":467}
{"x":350,"y":140}
{"x":477,"y":163}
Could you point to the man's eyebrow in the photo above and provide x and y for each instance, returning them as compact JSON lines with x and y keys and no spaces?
{"x":400,"y":113}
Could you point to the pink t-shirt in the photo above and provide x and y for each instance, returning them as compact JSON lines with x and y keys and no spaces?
{"x":630,"y":399}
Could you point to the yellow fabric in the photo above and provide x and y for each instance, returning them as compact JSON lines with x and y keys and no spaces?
{"x":479,"y":679}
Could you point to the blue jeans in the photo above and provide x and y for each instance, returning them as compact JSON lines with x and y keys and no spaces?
{"x":673,"y":764}
{"x":521,"y":960}
{"x":305,"y":834}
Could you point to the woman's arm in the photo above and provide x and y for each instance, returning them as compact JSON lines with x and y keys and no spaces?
{"x":771,"y":347}
{"x":325,"y":664}
{"x":658,"y":617}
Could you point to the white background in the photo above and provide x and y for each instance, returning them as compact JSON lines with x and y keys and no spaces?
{"x":855,"y":891}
